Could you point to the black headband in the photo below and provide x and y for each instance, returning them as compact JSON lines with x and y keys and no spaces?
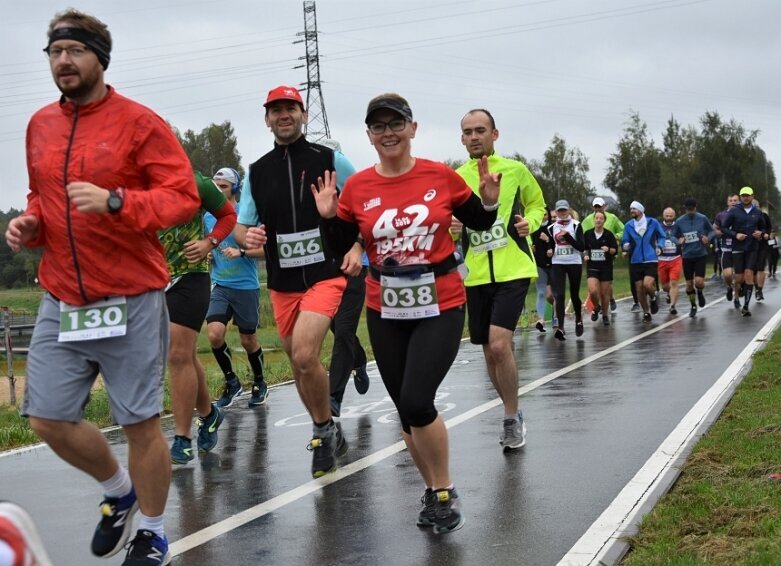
{"x":91,"y":40}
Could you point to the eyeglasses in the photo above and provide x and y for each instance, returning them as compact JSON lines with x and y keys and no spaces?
{"x":395,"y":125}
{"x":76,"y":52}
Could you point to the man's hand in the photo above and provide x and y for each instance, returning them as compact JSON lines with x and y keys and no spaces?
{"x":705,"y":240}
{"x":522,"y":226}
{"x":196,"y":250}
{"x":757,"y":234}
{"x":351,"y":265}
{"x":231,"y":253}
{"x":326,"y":195}
{"x":21,"y":230}
{"x":489,"y":183}
{"x":87,"y":197}
{"x":256,"y":237}
{"x":740,"y":237}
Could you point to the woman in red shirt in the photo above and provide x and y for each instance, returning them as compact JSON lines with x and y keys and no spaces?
{"x":403,"y":207}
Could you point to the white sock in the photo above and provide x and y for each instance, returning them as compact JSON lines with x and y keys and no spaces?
{"x":118,"y":485}
{"x":154,"y":524}
{"x":7,"y":554}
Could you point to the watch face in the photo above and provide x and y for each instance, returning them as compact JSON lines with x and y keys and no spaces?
{"x":114,"y":203}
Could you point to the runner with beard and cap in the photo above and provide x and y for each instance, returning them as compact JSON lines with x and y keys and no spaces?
{"x":306,"y":278}
{"x":565,"y":246}
{"x":106,"y":174}
{"x":642,"y":241}
{"x":670,"y":261}
{"x":725,"y":246}
{"x":614,"y":224}
{"x":500,"y":264}
{"x":694,"y":232}
{"x":746,"y":225}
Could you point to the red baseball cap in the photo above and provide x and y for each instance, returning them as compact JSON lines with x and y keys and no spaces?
{"x":284,"y":93}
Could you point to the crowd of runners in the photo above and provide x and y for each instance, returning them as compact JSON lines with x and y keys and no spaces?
{"x":140,"y":251}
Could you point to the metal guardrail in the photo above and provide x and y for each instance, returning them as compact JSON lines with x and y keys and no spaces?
{"x":9,"y":330}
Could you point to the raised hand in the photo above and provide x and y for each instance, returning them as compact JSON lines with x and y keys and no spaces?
{"x":489,"y":183}
{"x":326,"y":195}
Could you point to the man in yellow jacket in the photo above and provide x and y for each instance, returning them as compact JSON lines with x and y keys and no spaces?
{"x":500,"y":264}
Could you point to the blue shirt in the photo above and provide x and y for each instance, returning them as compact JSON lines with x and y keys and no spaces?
{"x":693,"y":228}
{"x":239,"y":273}
{"x":642,"y":247}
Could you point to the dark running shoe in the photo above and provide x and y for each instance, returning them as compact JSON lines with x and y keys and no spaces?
{"x":232,"y":390}
{"x":700,"y":298}
{"x":729,"y":293}
{"x":693,"y":311}
{"x":759,"y":296}
{"x":147,"y":549}
{"x":115,"y":525}
{"x":594,"y":315}
{"x":447,"y":513}
{"x":361,"y":380}
{"x":745,"y":312}
{"x":647,"y":317}
{"x":579,"y":328}
{"x":673,"y":310}
{"x":736,"y":303}
{"x":207,"y":429}
{"x":540,"y":326}
{"x":613,"y":305}
{"x":181,"y":450}
{"x":635,"y":307}
{"x":427,"y":515}
{"x":667,"y":298}
{"x":559,"y":335}
{"x":654,"y":304}
{"x":606,"y":320}
{"x":325,"y":450}
{"x":259,"y":394}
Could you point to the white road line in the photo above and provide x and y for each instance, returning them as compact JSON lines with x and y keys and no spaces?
{"x":623,"y":515}
{"x":226,"y":525}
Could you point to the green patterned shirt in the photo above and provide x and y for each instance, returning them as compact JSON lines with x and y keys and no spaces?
{"x":174,"y":239}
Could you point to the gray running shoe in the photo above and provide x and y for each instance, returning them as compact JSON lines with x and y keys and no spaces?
{"x":447,"y":511}
{"x":513,"y":434}
{"x":427,"y":515}
{"x":635,"y":307}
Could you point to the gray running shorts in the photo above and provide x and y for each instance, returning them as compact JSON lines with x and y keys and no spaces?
{"x":60,"y":374}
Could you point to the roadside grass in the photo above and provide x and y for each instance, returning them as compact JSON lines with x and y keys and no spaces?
{"x":15,"y":430}
{"x":723,"y":509}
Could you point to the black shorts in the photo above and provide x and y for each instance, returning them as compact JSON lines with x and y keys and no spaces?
{"x":639,"y":271}
{"x":602,"y":273}
{"x":744,"y":260}
{"x":188,"y":300}
{"x":498,"y":304}
{"x":726,"y":259}
{"x":761,"y":261}
{"x":694,"y":267}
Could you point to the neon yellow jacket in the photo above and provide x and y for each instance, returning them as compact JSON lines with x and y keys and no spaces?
{"x":519,"y":194}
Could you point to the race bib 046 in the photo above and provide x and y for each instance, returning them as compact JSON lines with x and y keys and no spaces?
{"x":300,"y":248}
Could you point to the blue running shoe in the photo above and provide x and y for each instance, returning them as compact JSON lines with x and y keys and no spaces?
{"x":259,"y":394}
{"x":115,"y":525}
{"x":147,"y":549}
{"x":361,"y":380}
{"x":207,"y":429}
{"x":181,"y":450}
{"x":232,"y":390}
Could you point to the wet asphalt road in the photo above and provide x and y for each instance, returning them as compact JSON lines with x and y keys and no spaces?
{"x":590,"y":430}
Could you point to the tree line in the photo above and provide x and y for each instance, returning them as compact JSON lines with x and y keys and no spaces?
{"x":707,"y":162}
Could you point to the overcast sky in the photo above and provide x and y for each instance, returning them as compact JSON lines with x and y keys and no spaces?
{"x":569,"y":67}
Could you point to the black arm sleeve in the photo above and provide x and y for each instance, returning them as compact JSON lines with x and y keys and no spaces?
{"x":473,"y":215}
{"x":611,"y":241}
{"x":578,"y":242}
{"x":339,"y":234}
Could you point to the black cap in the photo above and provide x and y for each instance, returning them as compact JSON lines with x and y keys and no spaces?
{"x":393,"y":104}
{"x":690,"y":203}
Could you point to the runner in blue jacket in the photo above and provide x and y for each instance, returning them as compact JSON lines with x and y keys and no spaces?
{"x":694,"y":232}
{"x":642,"y":241}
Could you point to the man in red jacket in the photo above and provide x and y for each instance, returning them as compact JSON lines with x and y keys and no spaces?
{"x":106,"y":174}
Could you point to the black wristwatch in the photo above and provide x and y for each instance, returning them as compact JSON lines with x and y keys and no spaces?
{"x":115,"y":201}
{"x":243,"y":252}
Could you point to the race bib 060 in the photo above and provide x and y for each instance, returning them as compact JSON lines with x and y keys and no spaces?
{"x":491,"y":239}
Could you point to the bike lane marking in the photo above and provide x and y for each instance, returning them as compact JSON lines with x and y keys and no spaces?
{"x":219,"y":528}
{"x":605,"y":541}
